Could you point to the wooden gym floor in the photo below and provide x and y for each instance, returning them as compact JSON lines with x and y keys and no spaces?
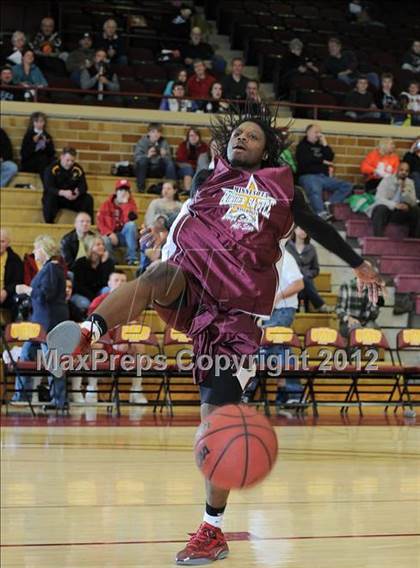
{"x":125,"y":493}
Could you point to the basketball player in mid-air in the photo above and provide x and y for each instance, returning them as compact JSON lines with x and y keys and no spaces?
{"x":221,"y":277}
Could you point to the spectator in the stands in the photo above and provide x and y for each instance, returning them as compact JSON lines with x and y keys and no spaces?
{"x":152,"y":157}
{"x":91,"y":272}
{"x":200,"y":82}
{"x":177,"y":103}
{"x":361,"y":97}
{"x":180,"y":77}
{"x":197,"y":49}
{"x":7,"y":93}
{"x":412,"y":157}
{"x":112,"y":43}
{"x":178,"y":25}
{"x":187,"y":155}
{"x":381,"y":162}
{"x":49,"y":308}
{"x":116,"y":279}
{"x":18,"y":46}
{"x":65,"y":187}
{"x":28,"y":74}
{"x":81,"y":58}
{"x":167,"y":205}
{"x":116,"y":221}
{"x":8,"y":168}
{"x":37,"y":150}
{"x":11,"y":273}
{"x":74,"y":313}
{"x":354,"y":309}
{"x":73,"y":244}
{"x":206,"y":159}
{"x":234,"y":85}
{"x":305,"y":254}
{"x":216,"y":104}
{"x":343,"y":64}
{"x":314,"y":158}
{"x":47,"y":42}
{"x":100,"y":77}
{"x":386,"y":98}
{"x":152,"y":240}
{"x":253,"y":96}
{"x":413,"y":101}
{"x":294,"y":64}
{"x":396,"y":202}
{"x":411,"y":60}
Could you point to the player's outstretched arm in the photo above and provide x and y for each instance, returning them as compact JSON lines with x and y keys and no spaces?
{"x":326,"y":235}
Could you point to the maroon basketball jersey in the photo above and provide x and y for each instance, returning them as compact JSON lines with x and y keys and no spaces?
{"x":231,"y":240}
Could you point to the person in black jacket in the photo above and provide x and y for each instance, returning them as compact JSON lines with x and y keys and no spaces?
{"x":73,"y":244}
{"x":412,"y":157}
{"x":314,"y":158}
{"x":65,"y":187}
{"x":8,"y":168}
{"x":11,"y":273}
{"x":37,"y":150}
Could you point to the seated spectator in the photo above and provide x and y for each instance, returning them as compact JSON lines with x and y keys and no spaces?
{"x":206,"y":159}
{"x":74,"y":313}
{"x":81,"y":58}
{"x":314,"y":158}
{"x":343,"y":64}
{"x":65,"y":187}
{"x":199,"y":49}
{"x":18,"y":45}
{"x":99,"y":77}
{"x":179,"y":24}
{"x":8,"y":168}
{"x":413,"y":103}
{"x":28,"y":74}
{"x":293,"y":64}
{"x":354,"y":310}
{"x":74,"y":243}
{"x":152,"y":157}
{"x":396,"y":202}
{"x":7,"y":92}
{"x":37,"y":150}
{"x":412,"y":157}
{"x":112,"y":43}
{"x":11,"y":274}
{"x":361,"y":98}
{"x":300,"y":247}
{"x":168,"y":205}
{"x":187,"y":155}
{"x":152,"y":241}
{"x":199,"y":83}
{"x":234,"y":85}
{"x":252,"y":96}
{"x":47,"y":292}
{"x":380,"y":163}
{"x":91,"y":273}
{"x":386,"y":97}
{"x":411,"y":60}
{"x":47,"y":42}
{"x":116,"y":221}
{"x":180,"y":77}
{"x":115,"y":280}
{"x":216,"y":105}
{"x":177,"y":103}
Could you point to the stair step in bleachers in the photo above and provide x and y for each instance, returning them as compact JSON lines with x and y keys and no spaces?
{"x":363,"y":228}
{"x":399,"y":265}
{"x":409,"y":282}
{"x":384,"y":246}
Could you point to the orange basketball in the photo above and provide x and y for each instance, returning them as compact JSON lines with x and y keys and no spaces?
{"x":236,"y":447}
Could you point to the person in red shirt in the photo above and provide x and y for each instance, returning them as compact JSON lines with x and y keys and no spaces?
{"x":199,"y":83}
{"x":187,"y":155}
{"x":116,"y":220}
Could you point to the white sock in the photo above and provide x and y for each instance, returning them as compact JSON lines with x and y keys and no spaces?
{"x":213,"y":521}
{"x":93,"y":328}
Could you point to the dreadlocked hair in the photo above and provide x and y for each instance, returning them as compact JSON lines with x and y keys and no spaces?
{"x":276,"y":139}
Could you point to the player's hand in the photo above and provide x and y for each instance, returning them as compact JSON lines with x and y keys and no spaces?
{"x":369,"y":278}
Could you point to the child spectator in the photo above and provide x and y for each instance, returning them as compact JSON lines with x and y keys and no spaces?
{"x":386,"y":98}
{"x":361,"y":98}
{"x":152,"y":157}
{"x":180,"y":77}
{"x":177,"y":103}
{"x":187,"y":156}
{"x":168,"y":205}
{"x":112,"y":43}
{"x":73,"y":244}
{"x":8,"y":168}
{"x":116,"y":221}
{"x":413,"y":103}
{"x":380,"y":163}
{"x":37,"y":150}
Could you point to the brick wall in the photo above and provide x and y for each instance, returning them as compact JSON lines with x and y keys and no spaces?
{"x":101,"y":143}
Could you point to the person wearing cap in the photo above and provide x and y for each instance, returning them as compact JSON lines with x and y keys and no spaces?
{"x":116,"y":221}
{"x":81,"y":58}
